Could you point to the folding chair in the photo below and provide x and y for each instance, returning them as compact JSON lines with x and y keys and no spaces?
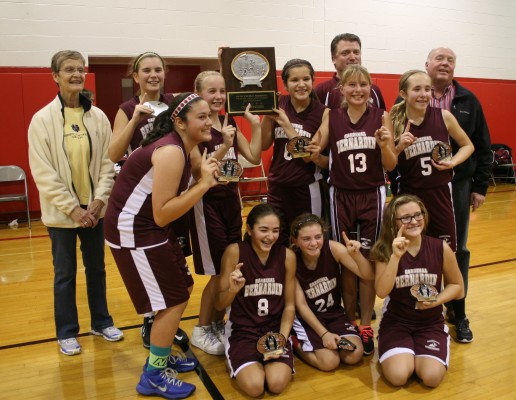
{"x":261,"y":180}
{"x":13,"y":173}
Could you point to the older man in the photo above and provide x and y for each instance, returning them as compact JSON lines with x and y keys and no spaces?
{"x":471,"y":178}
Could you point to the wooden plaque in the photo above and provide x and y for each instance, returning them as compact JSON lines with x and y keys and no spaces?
{"x":250,"y":75}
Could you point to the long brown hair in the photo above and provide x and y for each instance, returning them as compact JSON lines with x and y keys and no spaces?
{"x":399,"y":111}
{"x":382,"y":249}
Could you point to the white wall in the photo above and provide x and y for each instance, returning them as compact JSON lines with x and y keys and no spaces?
{"x":396,"y":34}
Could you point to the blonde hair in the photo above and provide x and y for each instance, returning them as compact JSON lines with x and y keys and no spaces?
{"x":399,"y":111}
{"x":199,"y":79}
{"x":354,"y":71}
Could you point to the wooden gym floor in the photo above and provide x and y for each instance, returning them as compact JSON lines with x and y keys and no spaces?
{"x":31,"y":366}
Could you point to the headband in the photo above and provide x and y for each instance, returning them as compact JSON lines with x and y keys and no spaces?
{"x":143,"y":55}
{"x":182,"y":105}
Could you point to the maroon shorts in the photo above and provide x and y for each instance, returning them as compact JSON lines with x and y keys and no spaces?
{"x":395,"y":337}
{"x":156,"y":278}
{"x":291,"y":202}
{"x":216,"y":223}
{"x":350,"y":210}
{"x":241,"y":350}
{"x":438,"y":202}
{"x":310,"y":340}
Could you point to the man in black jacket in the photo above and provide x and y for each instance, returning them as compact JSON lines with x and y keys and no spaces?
{"x":471,"y":178}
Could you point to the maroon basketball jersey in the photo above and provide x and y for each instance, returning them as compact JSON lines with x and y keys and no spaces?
{"x":261,"y":300}
{"x":216,"y":141}
{"x":355,"y":157}
{"x":322,"y":286}
{"x":146,"y":124}
{"x":426,"y":267}
{"x":285,"y":169}
{"x":129,"y":221}
{"x":414,"y":166}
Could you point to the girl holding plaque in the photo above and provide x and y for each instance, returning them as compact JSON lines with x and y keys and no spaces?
{"x":294,"y":180}
{"x":149,"y":193}
{"x":257,"y":289}
{"x":323,"y":334}
{"x":411,"y":269}
{"x":133,"y":121}
{"x":216,"y":220}
{"x":425,"y":166}
{"x":361,"y":149}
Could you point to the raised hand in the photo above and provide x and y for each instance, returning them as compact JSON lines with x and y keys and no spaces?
{"x":280,"y":117}
{"x":141,"y":111}
{"x":252,"y":118}
{"x":210,"y":169}
{"x":400,"y":243}
{"x":353,"y":246}
{"x":236,"y":279}
{"x":228,"y":132}
{"x":383,"y":135}
{"x":406,"y":138}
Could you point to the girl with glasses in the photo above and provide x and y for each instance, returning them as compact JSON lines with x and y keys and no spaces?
{"x":416,"y":274}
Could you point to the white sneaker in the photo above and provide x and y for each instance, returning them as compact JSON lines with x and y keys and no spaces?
{"x":110,"y":333}
{"x":205,"y":339}
{"x":69,"y":346}
{"x":218,"y":328}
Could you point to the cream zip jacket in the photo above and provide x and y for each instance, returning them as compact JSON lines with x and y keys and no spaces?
{"x":49,"y":164}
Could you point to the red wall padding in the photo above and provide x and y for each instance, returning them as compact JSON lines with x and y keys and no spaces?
{"x":28,"y":93}
{"x":30,"y":89}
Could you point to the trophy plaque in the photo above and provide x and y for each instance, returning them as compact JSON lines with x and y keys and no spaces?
{"x":424,"y":292}
{"x":271,"y":344}
{"x":441,"y":152}
{"x":250,"y":75}
{"x":296,"y":146}
{"x":345,"y":344}
{"x":230,"y":171}
{"x":157,"y":107}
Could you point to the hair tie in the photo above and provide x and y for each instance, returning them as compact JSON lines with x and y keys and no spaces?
{"x":182,"y":105}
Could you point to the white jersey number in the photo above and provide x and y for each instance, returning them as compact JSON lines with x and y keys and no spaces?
{"x":357,"y":162}
{"x":263,"y":307}
{"x":426,"y":166}
{"x":321,"y":307}
{"x":287,"y":155}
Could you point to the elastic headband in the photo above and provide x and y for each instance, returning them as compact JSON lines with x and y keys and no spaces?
{"x":182,"y":105}
{"x":147,"y":53}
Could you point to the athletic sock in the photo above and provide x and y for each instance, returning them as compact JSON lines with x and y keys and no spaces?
{"x":158,"y":357}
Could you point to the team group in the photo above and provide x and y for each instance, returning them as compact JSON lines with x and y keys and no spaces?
{"x":289,"y":286}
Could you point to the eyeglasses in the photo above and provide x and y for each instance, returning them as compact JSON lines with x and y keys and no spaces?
{"x":407,"y":219}
{"x":71,"y":71}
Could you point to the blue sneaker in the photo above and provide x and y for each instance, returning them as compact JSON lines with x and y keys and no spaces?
{"x":110,"y":333}
{"x":163,"y":382}
{"x":178,"y":362}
